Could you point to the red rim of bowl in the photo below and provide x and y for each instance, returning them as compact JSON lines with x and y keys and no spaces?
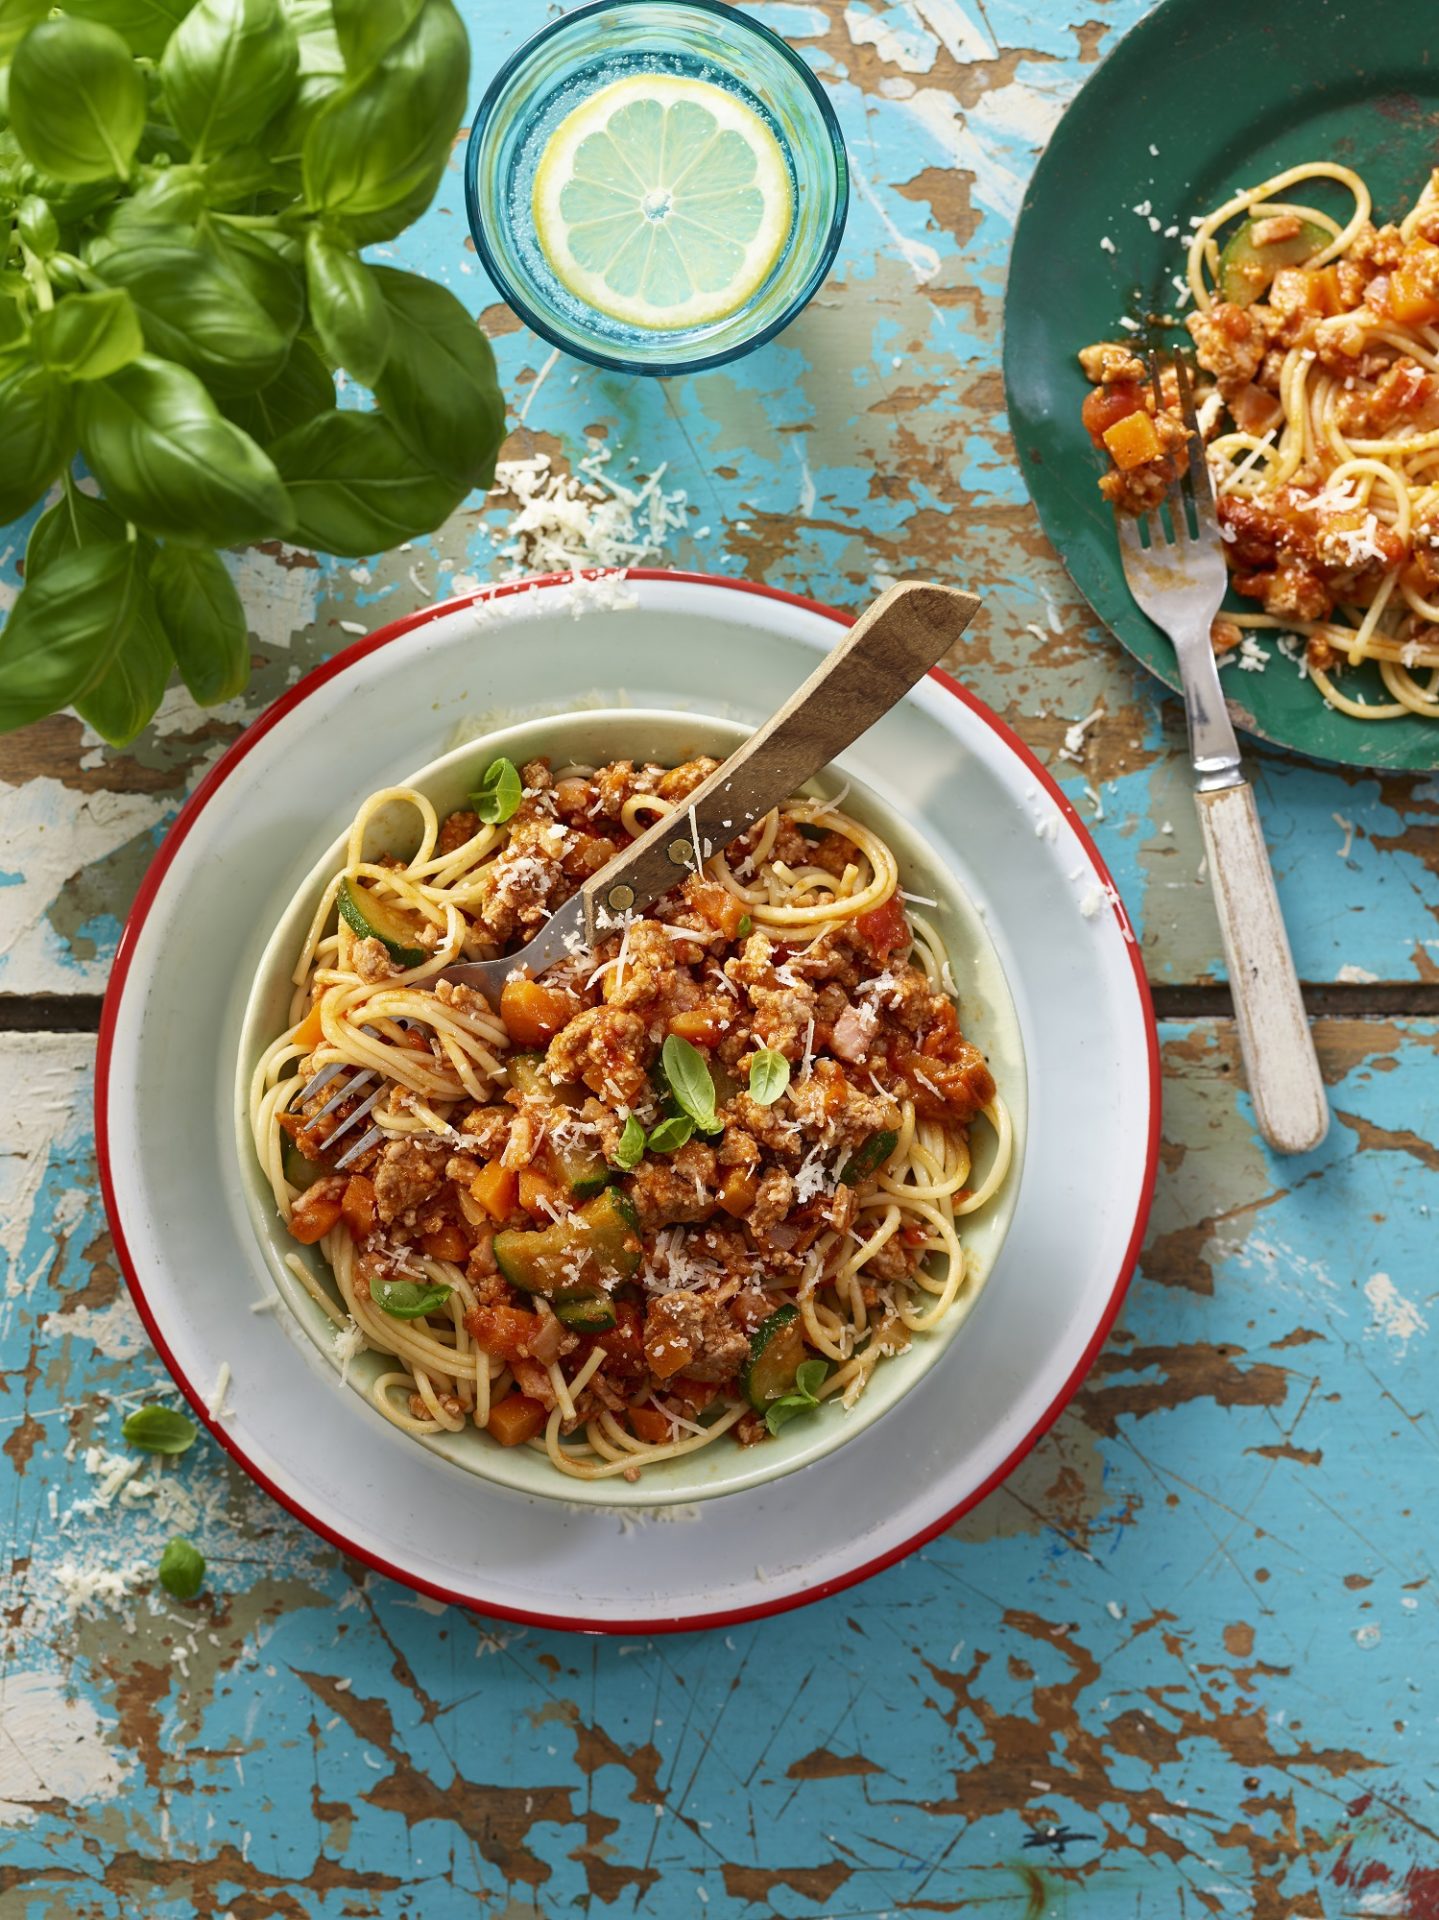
{"x":144,"y":900}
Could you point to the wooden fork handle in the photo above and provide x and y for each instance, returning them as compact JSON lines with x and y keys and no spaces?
{"x":1274,"y":1036}
{"x":893,"y":644}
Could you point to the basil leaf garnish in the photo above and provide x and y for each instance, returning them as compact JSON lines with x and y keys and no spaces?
{"x":631,"y":1148}
{"x":768,"y":1076}
{"x":499,"y":793}
{"x":407,"y":1299}
{"x":690,"y":1082}
{"x":671,"y":1134}
{"x":182,"y":1569}
{"x":160,"y":1430}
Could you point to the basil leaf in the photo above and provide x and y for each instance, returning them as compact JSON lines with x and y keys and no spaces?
{"x":671,"y":1134}
{"x":68,"y":624}
{"x":689,"y":1080}
{"x":439,"y":385}
{"x":768,"y":1076}
{"x":746,"y":926}
{"x":76,"y":520}
{"x":160,"y":1430}
{"x":499,"y":793}
{"x":201,"y":615}
{"x":77,"y":102}
{"x":781,"y":1412}
{"x":809,"y":1377}
{"x":195,"y":311}
{"x":123,"y":700}
{"x":322,"y":73}
{"x":301,"y":389}
{"x":172,"y":464}
{"x":174,"y":198}
{"x":407,"y":1299}
{"x":144,"y":24}
{"x":356,"y":487}
{"x":631,"y":1148}
{"x":182,"y":1569}
{"x":229,"y":67}
{"x":89,"y":335}
{"x":16,"y":19}
{"x":367,"y":30}
{"x":39,"y":229}
{"x":269,"y":265}
{"x":35,"y":433}
{"x":375,"y":152}
{"x":345,"y":305}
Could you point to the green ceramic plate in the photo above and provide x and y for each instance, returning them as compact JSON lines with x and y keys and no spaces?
{"x":1202,"y":98}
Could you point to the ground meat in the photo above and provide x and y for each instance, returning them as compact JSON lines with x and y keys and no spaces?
{"x":686,"y":1333}
{"x":535,"y":776}
{"x":1227,"y":343}
{"x":526,"y":1132}
{"x":829,"y":1103}
{"x":489,"y":1128}
{"x":674,"y":1187}
{"x":586,"y":854}
{"x":372,"y":962}
{"x":888,"y":1263}
{"x":1224,"y":637}
{"x":1105,"y":363}
{"x":1291,"y":592}
{"x":409,"y":1173}
{"x":621,"y":781}
{"x":953,"y":1089}
{"x":650,"y":980}
{"x":773,"y":1201}
{"x":738,"y":1149}
{"x":456,"y":830}
{"x":680,"y":782}
{"x":780,"y":1017}
{"x":609,"y":1049}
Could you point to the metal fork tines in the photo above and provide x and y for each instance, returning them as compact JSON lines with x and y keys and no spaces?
{"x":1174,"y":563}
{"x":349,"y":1087}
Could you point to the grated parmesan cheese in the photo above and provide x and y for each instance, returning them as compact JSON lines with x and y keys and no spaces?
{"x":349,"y":1344}
{"x":583,"y":519}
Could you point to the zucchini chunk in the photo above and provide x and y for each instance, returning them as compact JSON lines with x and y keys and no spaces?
{"x":577,"y":1259}
{"x":372,"y":918}
{"x":869,"y":1158}
{"x":1245,"y":270}
{"x":583,"y":1169}
{"x":776,"y":1352}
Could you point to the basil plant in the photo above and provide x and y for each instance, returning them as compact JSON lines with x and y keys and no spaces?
{"x":185,"y":186}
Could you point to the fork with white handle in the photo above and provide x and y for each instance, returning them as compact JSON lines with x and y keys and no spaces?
{"x":1177,"y":574}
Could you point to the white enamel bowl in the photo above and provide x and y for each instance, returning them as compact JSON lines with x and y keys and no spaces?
{"x":997,"y":834}
{"x":989,"y":1020}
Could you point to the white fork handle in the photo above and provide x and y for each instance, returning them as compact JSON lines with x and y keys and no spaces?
{"x":1274,"y":1036}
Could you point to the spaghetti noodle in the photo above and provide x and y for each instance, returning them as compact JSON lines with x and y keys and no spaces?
{"x":691,"y":1183}
{"x":1321,"y":336}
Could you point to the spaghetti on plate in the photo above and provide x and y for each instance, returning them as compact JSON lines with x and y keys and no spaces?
{"x":692,"y":1183}
{"x":1321,"y":340}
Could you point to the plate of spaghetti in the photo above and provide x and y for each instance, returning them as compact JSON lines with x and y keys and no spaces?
{"x":1277,"y":213}
{"x":684,"y":1214}
{"x":1012,"y":962}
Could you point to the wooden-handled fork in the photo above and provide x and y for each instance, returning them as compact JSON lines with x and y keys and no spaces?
{"x":1179,"y":579}
{"x":892,"y":645}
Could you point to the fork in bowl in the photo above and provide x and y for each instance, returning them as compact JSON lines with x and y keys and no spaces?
{"x":1174,"y":565}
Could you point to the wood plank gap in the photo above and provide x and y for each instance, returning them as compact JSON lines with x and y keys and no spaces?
{"x":1342,"y":999}
{"x":50,"y":1012}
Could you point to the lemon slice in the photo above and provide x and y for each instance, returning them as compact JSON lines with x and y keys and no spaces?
{"x":662,"y":201}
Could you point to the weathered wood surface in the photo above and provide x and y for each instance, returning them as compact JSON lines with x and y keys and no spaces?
{"x":1184,"y":1662}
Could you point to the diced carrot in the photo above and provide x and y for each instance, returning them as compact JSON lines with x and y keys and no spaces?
{"x":696,"y":1394}
{"x":309,"y":1033}
{"x":737,"y":1192}
{"x":357,"y":1209}
{"x":700,"y":1024}
{"x":1412,"y":300}
{"x":1321,"y":290}
{"x":533,"y":1013}
{"x":1132,"y":440}
{"x":506,"y":1332}
{"x":318,"y":1209}
{"x":649,"y":1425}
{"x":717,"y":905}
{"x":446,"y":1243}
{"x":515,"y":1419}
{"x":539,"y":1195}
{"x":884,"y":928}
{"x":495,"y":1187}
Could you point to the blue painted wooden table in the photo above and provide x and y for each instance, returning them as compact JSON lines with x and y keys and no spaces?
{"x":1184,"y":1662}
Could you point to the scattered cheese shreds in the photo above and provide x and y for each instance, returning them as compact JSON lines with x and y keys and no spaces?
{"x":567,"y":522}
